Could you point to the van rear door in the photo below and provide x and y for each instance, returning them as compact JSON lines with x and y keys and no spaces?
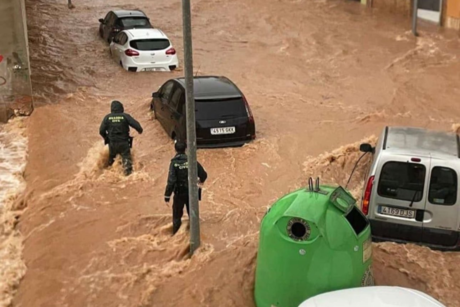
{"x":398,"y":198}
{"x":440,"y":219}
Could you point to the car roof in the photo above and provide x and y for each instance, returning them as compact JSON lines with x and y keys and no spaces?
{"x":424,"y":142}
{"x":145,"y":33}
{"x":212,"y":87}
{"x":128,"y":13}
{"x":375,"y":296}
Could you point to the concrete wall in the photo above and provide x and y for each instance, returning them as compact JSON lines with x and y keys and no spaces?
{"x":15,"y":83}
{"x":452,"y":14}
{"x":401,"y":7}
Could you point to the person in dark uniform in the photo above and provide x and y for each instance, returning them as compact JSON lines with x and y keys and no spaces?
{"x":115,"y":131}
{"x":178,"y":183}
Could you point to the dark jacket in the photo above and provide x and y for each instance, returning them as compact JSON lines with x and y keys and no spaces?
{"x":115,"y":126}
{"x":178,"y":175}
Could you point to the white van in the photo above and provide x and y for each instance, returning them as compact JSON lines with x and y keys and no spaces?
{"x":379,"y":296}
{"x":411,"y":193}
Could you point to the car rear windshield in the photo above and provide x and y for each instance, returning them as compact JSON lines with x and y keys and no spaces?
{"x":135,"y":22}
{"x":220,"y":109}
{"x":403,"y":181}
{"x":150,"y":44}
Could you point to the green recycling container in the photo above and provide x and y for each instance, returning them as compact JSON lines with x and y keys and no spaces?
{"x":312,"y":241}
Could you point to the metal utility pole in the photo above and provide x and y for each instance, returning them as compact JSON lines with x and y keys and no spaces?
{"x":191,"y":130}
{"x":414,"y":18}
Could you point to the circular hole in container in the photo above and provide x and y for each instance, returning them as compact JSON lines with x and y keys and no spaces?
{"x":298,"y":229}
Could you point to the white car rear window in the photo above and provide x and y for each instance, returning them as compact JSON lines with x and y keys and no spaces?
{"x":150,"y":44}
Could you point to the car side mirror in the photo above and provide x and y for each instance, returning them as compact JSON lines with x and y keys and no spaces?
{"x":156,"y":95}
{"x":101,"y":20}
{"x":366,"y":148}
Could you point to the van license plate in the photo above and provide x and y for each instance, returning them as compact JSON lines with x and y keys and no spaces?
{"x":397,"y":212}
{"x":223,"y":130}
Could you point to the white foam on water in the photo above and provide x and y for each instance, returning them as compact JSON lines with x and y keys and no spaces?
{"x":13,"y":158}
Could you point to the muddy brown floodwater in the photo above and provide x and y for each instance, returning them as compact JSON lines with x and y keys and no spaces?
{"x":320,"y":77}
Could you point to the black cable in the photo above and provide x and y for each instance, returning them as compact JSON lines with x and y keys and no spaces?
{"x":355,"y":168}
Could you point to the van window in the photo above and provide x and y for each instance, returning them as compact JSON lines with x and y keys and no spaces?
{"x":403,"y":181}
{"x":443,"y":186}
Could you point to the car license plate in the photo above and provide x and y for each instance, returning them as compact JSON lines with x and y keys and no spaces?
{"x":150,"y":69}
{"x":397,"y":212}
{"x":223,"y":130}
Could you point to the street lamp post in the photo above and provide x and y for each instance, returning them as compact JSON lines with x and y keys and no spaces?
{"x":414,"y":18}
{"x":191,"y":130}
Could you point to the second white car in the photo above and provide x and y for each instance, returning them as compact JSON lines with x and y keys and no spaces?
{"x":376,"y":296}
{"x":144,"y":50}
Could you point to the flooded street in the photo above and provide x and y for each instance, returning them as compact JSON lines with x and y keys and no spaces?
{"x":320,"y":76}
{"x":13,"y":158}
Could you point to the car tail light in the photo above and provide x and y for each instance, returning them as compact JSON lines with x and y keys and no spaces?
{"x":171,"y":51}
{"x":367,"y":195}
{"x":248,"y":109}
{"x":251,"y":117}
{"x":131,"y":52}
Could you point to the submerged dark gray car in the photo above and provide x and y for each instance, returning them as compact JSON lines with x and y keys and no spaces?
{"x":222,"y":113}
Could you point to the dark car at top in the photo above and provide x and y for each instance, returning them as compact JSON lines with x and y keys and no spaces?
{"x":222,"y":113}
{"x":119,"y":20}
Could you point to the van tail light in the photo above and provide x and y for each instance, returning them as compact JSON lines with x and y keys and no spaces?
{"x":131,"y":52}
{"x":171,"y":51}
{"x":367,"y":195}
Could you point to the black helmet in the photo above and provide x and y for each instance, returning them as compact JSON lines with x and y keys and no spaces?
{"x":180,"y":147}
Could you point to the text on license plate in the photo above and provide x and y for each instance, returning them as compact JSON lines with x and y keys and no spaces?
{"x":223,"y":130}
{"x":397,"y":212}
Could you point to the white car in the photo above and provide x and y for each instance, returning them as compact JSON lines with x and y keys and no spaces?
{"x":378,"y":296}
{"x":144,"y":50}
